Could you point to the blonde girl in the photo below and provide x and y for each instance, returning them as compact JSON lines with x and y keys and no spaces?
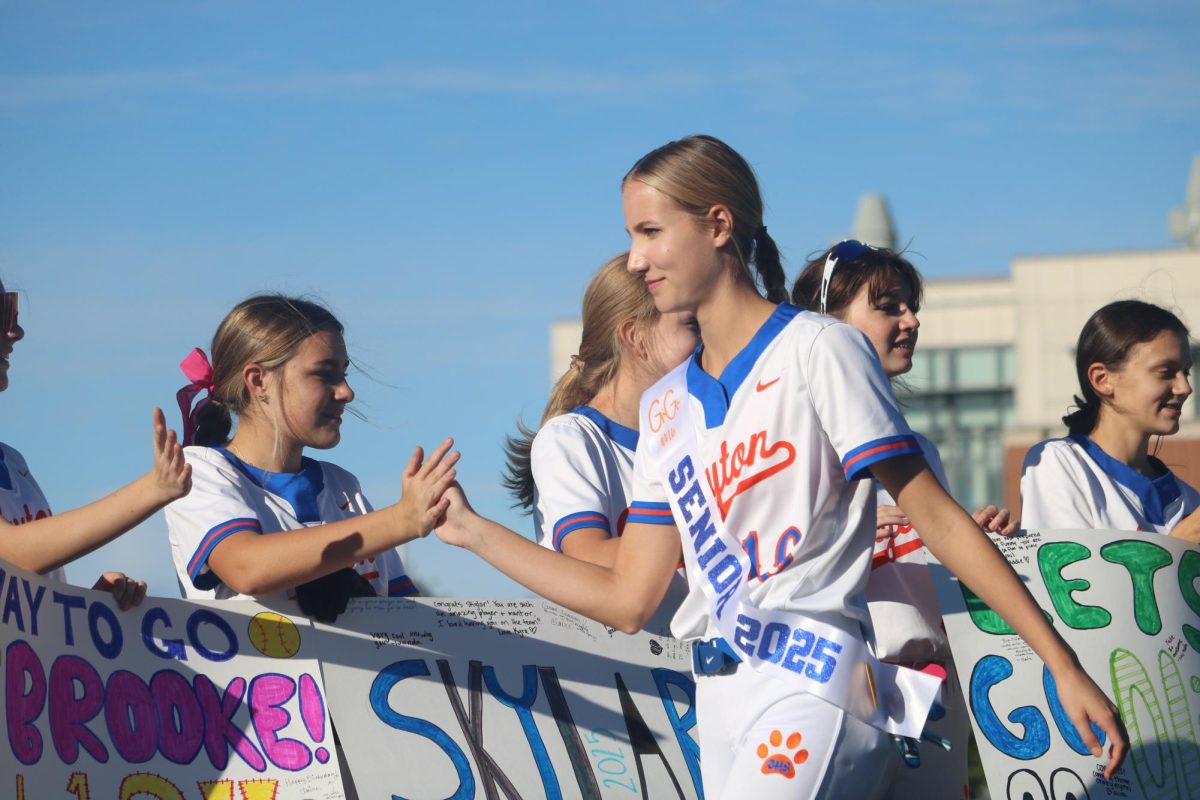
{"x":766,"y":430}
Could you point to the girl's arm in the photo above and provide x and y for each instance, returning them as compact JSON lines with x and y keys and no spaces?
{"x":598,"y":547}
{"x":253,"y":564}
{"x":623,"y":596}
{"x":954,"y":537}
{"x":50,"y":542}
{"x":592,"y":545}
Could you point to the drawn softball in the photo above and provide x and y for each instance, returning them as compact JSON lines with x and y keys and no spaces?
{"x":274,"y":635}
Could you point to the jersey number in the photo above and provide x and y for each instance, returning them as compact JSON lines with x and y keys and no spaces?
{"x":785,"y":551}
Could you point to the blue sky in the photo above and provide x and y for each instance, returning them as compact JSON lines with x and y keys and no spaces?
{"x":446,"y":177}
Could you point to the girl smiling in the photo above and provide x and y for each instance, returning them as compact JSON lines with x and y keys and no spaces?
{"x":1133,"y":362}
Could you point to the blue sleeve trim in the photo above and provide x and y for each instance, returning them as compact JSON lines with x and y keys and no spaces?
{"x":857,"y":463}
{"x":215,"y":536}
{"x":578,"y":521}
{"x":650,"y":513}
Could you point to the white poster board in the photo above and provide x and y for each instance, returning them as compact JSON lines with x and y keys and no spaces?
{"x":455,"y":698}
{"x":1128,"y":604}
{"x":171,"y":700}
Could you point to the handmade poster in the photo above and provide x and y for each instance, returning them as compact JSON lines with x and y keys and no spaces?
{"x":451,"y":698}
{"x":170,"y":700}
{"x":1129,"y":606}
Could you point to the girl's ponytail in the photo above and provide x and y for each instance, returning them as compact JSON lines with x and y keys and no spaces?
{"x":1083,"y":419}
{"x":613,"y":298}
{"x":213,"y":424}
{"x":769,"y":267}
{"x":570,"y":391}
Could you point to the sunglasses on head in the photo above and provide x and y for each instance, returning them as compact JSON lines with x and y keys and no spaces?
{"x":849,"y":249}
{"x":8,"y":312}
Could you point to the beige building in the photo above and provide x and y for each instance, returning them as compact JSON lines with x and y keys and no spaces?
{"x":995,"y":367}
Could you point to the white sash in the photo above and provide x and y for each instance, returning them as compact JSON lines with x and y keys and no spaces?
{"x":819,"y":658}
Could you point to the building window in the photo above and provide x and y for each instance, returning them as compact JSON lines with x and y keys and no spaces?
{"x":962,"y":399}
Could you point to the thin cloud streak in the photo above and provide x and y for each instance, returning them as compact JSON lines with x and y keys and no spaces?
{"x":892,"y":79}
{"x":544,"y":81}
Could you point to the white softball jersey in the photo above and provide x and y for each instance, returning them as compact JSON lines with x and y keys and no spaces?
{"x":21,"y":499}
{"x":900,"y":595}
{"x":229,"y":496}
{"x":786,"y":433}
{"x":582,"y":465}
{"x":1072,"y":483}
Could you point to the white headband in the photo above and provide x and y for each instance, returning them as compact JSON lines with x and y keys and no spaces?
{"x":847,"y":248}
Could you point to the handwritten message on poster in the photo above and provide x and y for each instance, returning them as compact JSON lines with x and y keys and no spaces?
{"x":508,"y":699}
{"x":1128,"y":604}
{"x":171,"y":700}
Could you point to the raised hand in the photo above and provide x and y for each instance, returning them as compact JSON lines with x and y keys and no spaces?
{"x":423,"y":484}
{"x":127,"y":591}
{"x":171,"y":474}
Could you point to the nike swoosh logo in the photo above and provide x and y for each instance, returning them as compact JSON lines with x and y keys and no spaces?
{"x":24,"y":473}
{"x":762,"y":387}
{"x":345,"y":505}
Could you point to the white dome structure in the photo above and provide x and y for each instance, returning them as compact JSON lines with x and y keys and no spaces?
{"x":873,"y":222}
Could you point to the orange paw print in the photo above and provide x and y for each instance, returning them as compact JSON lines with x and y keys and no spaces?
{"x":780,"y":763}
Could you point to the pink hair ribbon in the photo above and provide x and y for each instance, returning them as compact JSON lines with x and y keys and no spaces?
{"x":197,"y":370}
